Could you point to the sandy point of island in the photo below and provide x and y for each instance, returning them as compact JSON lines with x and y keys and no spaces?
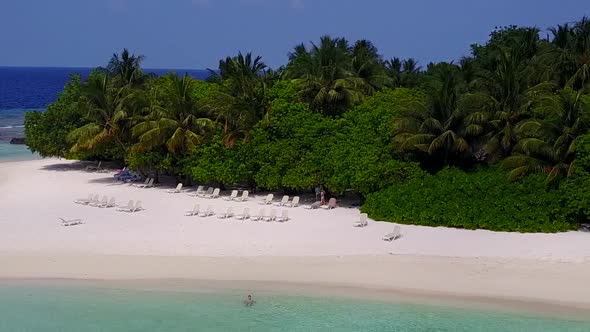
{"x":315,"y":247}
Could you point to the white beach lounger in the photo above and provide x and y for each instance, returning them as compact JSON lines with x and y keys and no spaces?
{"x":267,"y":200}
{"x":244,"y":215}
{"x":234,"y":195}
{"x":259,"y":216}
{"x":94,"y":168}
{"x":209,"y":212}
{"x":84,"y":201}
{"x":200,"y":189}
{"x":362,"y":221}
{"x":272,"y":216}
{"x":294,"y":202}
{"x":194,"y":212}
{"x":393,"y":235}
{"x":176,"y":190}
{"x":283,"y":201}
{"x":70,"y":222}
{"x":104,"y":201}
{"x":227,"y":214}
{"x":147,"y":180}
{"x":110,"y":204}
{"x":150,"y":184}
{"x":331,"y":204}
{"x":94,"y":200}
{"x":284,"y":216}
{"x":130,"y":206}
{"x":244,"y":196}
{"x":215,"y":194}
{"x":206,"y":194}
{"x":196,"y":192}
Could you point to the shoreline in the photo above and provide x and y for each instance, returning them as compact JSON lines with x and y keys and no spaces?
{"x":527,"y":286}
{"x":11,"y":153}
{"x":264,"y":289}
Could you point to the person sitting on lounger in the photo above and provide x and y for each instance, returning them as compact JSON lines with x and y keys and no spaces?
{"x":248,"y":301}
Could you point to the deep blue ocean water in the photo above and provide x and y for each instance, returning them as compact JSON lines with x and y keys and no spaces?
{"x":24,"y":89}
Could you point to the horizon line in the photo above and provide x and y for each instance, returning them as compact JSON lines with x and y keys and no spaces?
{"x":91,"y":67}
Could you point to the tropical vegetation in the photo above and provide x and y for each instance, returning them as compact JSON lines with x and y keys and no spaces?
{"x":499,"y":139}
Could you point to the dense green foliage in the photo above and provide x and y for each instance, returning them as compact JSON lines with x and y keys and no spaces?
{"x":484,"y":199}
{"x":497,"y":140}
{"x":47,"y":131}
{"x":366,"y":162}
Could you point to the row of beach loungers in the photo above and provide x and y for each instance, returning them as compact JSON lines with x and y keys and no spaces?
{"x":105,"y":202}
{"x":286,"y":201}
{"x":229,"y":213}
{"x":214,"y":193}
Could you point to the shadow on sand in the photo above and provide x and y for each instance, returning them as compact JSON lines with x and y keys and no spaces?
{"x":85,"y":166}
{"x":110,"y":181}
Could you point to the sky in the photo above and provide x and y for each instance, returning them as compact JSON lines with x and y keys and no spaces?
{"x":194,"y":34}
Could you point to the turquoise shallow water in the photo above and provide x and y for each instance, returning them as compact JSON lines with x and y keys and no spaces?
{"x":51,"y":307}
{"x":15,"y":152}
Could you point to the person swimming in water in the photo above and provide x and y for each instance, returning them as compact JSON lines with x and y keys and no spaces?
{"x":248,"y":301}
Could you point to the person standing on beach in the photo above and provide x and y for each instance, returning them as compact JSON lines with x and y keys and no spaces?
{"x":322,"y":197}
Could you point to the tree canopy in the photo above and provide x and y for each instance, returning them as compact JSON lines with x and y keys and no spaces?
{"x":502,"y":132}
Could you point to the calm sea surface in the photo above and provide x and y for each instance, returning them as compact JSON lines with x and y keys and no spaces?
{"x":63,"y":307}
{"x":24,"y":89}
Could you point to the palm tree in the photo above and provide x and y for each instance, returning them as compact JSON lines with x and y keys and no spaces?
{"x":569,"y":58}
{"x":240,"y":102}
{"x":127,"y":68}
{"x":393,"y":68}
{"x":367,"y":64}
{"x":179,"y":121}
{"x":469,"y":70}
{"x":107,"y":108}
{"x":438,"y":127}
{"x":325,"y":75}
{"x":499,"y":105}
{"x":410,"y":73}
{"x":547,"y":144}
{"x":237,"y":114}
{"x":562,"y":35}
{"x":403,"y":73}
{"x":241,"y":67}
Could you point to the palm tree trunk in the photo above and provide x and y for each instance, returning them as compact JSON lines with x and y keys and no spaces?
{"x":118,"y":140}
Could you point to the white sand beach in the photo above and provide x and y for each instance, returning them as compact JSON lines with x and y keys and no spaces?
{"x":315,"y":246}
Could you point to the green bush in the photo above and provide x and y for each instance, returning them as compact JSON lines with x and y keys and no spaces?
{"x":575,"y":189}
{"x":47,"y":132}
{"x":290,"y":146}
{"x":483,"y":199}
{"x":359,"y":155}
{"x":149,"y":162}
{"x":214,"y":162}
